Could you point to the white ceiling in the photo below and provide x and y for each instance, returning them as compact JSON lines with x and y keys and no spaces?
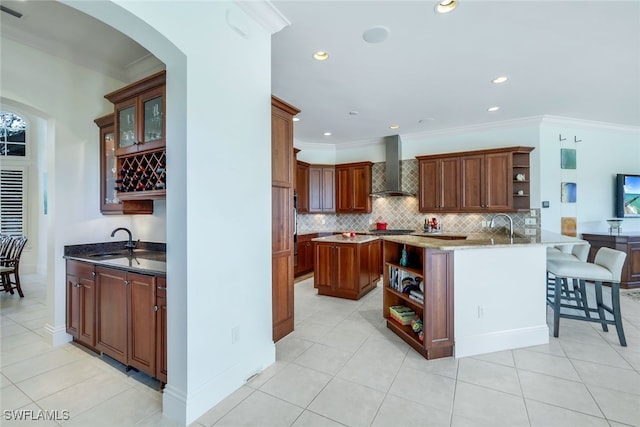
{"x":575,"y":59}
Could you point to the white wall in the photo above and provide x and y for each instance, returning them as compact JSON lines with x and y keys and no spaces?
{"x":218,"y":88}
{"x":603,"y":151}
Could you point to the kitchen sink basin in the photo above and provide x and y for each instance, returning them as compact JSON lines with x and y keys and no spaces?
{"x":108,"y":254}
{"x":137,"y":253}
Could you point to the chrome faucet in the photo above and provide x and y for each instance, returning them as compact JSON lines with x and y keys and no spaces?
{"x":130,"y":245}
{"x":510,"y":223}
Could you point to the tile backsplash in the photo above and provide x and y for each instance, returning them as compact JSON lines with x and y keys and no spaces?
{"x":402,"y":212}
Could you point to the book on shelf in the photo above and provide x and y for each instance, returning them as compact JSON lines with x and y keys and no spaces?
{"x":416,"y":293}
{"x":402,"y":314}
{"x":416,"y":298}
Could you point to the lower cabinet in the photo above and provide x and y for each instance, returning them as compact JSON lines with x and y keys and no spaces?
{"x":81,"y":302}
{"x":420,"y":289}
{"x":161,"y":329}
{"x":119,"y":313}
{"x":346,"y":270}
{"x":304,"y":254}
{"x":126,"y":318}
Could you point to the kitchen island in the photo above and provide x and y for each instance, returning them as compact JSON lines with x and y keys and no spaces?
{"x":346,"y":267}
{"x":482,"y":294}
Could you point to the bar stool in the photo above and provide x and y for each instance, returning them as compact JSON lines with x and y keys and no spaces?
{"x":607,"y":268}
{"x":579,"y":252}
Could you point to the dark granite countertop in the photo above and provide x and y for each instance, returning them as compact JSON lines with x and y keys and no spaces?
{"x":147,"y":258}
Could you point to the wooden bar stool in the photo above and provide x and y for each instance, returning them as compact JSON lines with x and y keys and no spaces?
{"x":606,"y":268}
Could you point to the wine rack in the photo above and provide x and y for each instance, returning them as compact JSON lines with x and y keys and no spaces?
{"x":142,"y":176}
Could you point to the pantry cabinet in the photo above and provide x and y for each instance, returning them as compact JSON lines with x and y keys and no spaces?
{"x":353,"y":187}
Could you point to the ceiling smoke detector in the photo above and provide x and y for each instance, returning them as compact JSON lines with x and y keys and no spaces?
{"x":376,"y":34}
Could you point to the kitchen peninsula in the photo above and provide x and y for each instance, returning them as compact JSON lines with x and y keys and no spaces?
{"x":482,"y":294}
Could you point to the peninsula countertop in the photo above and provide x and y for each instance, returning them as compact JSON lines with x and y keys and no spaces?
{"x":455,"y":241}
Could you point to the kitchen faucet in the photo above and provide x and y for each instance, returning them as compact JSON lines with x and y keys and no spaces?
{"x":130,"y":245}
{"x":510,"y":223}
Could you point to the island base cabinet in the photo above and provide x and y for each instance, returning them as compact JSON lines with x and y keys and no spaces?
{"x":126,"y":317}
{"x":434,"y":270}
{"x":346,"y":270}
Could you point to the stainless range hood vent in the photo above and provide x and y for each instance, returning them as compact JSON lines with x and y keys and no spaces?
{"x":393,"y":187}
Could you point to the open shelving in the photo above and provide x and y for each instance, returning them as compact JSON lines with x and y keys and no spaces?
{"x":435,"y":268}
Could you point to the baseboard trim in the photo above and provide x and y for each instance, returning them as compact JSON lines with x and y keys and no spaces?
{"x":499,"y":341}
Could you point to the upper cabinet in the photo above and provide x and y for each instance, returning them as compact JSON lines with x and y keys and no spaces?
{"x":139,"y":115}
{"x":110,"y":182}
{"x":439,"y":184}
{"x":495,"y":180}
{"x":353,"y":187}
{"x":302,"y":186}
{"x":322,"y":189}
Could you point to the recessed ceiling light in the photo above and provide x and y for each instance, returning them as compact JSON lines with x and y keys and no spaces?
{"x":320,"y":55}
{"x":394,"y":127}
{"x":446,"y":6}
{"x":296,"y":119}
{"x":327,"y":134}
{"x":492,"y":109}
{"x":499,"y":80}
{"x":376,"y":34}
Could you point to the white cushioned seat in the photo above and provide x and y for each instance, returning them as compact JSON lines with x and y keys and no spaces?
{"x":578,"y":252}
{"x":606,"y":268}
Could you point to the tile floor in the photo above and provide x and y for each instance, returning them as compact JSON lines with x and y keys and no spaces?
{"x":341,"y":367}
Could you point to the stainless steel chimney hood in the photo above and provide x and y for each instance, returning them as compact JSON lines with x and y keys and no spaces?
{"x":393,"y":186}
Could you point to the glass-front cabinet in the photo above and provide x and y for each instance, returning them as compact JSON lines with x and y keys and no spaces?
{"x":110,"y":203}
{"x":139,"y":115}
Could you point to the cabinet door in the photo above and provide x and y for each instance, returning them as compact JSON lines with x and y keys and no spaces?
{"x":73,"y":305}
{"x":361,"y":187}
{"x":473,"y":187}
{"x":111,"y":313}
{"x":449,"y":184}
{"x":323,"y":266}
{"x":126,"y":116}
{"x":429,"y":186}
{"x":328,"y":190}
{"x":151,"y":134}
{"x":161,"y":329}
{"x":344,"y":192}
{"x":87,"y":308}
{"x":302,"y":186}
{"x":499,"y":182}
{"x":346,"y":266}
{"x":142,"y":322}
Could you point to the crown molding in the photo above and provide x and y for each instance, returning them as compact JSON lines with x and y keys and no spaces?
{"x":318,"y":146}
{"x":265,"y":14}
{"x":587,"y":124}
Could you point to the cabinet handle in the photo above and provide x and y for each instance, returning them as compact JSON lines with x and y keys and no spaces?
{"x":126,"y":282}
{"x":77,"y":285}
{"x":155,"y":308}
{"x":162,"y":288}
{"x":93,"y":273}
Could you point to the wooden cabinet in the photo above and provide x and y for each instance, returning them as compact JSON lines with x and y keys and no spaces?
{"x":353,"y":187}
{"x":126,"y":317}
{"x":439,"y":180}
{"x":475,"y":181}
{"x":139,"y":115}
{"x":322,"y":189}
{"x":110,"y":203}
{"x":628,"y":243}
{"x":346,"y":270}
{"x":161,"y":329}
{"x":305,"y":254}
{"x":81,"y":302}
{"x":302,"y":186}
{"x":282,"y":222}
{"x":434,"y":268}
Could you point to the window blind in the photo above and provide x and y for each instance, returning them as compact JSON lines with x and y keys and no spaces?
{"x":12,"y":199}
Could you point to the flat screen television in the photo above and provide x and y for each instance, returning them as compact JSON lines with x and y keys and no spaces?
{"x":627,"y":196}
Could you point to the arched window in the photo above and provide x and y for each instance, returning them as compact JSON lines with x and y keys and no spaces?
{"x":13,"y":131}
{"x":13,"y":195}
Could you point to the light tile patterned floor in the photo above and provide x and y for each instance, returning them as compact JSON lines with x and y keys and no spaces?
{"x":341,"y":367}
